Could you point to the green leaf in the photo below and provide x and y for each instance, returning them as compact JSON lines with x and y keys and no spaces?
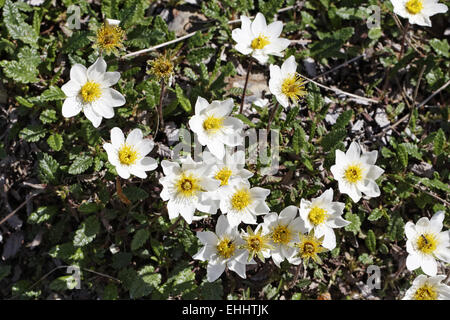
{"x":314,"y":98}
{"x":32,"y":133}
{"x":139,"y":239}
{"x":16,"y":25}
{"x":140,"y":283}
{"x":182,"y":100}
{"x":63,"y":283}
{"x":332,"y":139}
{"x":80,"y":164}
{"x":375,"y":214}
{"x":395,"y":229}
{"x":51,"y":94}
{"x":439,"y":141}
{"x":134,"y":193}
{"x":48,"y":116}
{"x":48,"y":169}
{"x":371,"y":241}
{"x":355,"y":224}
{"x":89,"y":207}
{"x":42,"y":214}
{"x":441,"y":47}
{"x":299,"y":138}
{"x":343,"y":119}
{"x":87,"y":232}
{"x":402,"y":155}
{"x":25,"y":69}
{"x":375,"y":33}
{"x":245,"y":120}
{"x":55,"y":141}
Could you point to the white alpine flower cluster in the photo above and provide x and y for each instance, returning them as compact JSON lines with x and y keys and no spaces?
{"x":418,"y":11}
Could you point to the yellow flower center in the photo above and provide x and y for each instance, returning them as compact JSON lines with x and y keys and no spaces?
{"x":353,"y":173}
{"x":110,"y":37}
{"x":212,"y":124}
{"x":309,"y":247}
{"x":187,"y":185}
{"x":226,"y":248}
{"x":223,"y":175}
{"x":128,"y":155}
{"x":241,"y":199}
{"x":414,"y":6}
{"x":426,"y":292}
{"x":317,"y":215}
{"x":162,"y":68}
{"x":293,"y":87}
{"x":91,"y":91}
{"x":260,"y":42}
{"x":281,"y":234}
{"x":427,"y":243}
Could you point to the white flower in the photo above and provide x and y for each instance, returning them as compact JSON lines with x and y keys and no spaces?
{"x":89,"y":91}
{"x":284,"y":230}
{"x":256,"y":243}
{"x":187,"y":188}
{"x":322,"y":215}
{"x":418,"y":11}
{"x":242,"y":203}
{"x":285,"y":83}
{"x":426,"y":243}
{"x":129,"y":156}
{"x":221,"y":249}
{"x":428,"y":288}
{"x":259,"y":39}
{"x":357,"y":173}
{"x":214,"y":127}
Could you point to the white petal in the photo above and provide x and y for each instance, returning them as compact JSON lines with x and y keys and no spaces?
{"x":117,"y":137}
{"x":259,"y":24}
{"x":114,"y":97}
{"x":200,"y":105}
{"x":92,"y":116}
{"x":274,"y":29}
{"x":289,"y":66}
{"x":207,"y":237}
{"x":96,"y":71}
{"x":145,"y":146}
{"x":412,"y":262}
{"x":134,"y":137}
{"x":78,"y":74}
{"x":429,"y":265}
{"x":71,"y":88}
{"x":110,"y":79}
{"x":214,"y":271}
{"x":148,"y":164}
{"x":354,"y":151}
{"x":71,"y":107}
{"x":237,"y":267}
{"x":123,"y":171}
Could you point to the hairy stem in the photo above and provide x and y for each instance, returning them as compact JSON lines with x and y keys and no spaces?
{"x":249,"y":69}
{"x":272,"y":115}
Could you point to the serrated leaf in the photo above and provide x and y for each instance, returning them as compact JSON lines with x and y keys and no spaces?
{"x":32,"y":133}
{"x":139,"y":239}
{"x":182,"y":100}
{"x":89,"y":207}
{"x":402,"y":155}
{"x":331,"y":140}
{"x":438,"y":142}
{"x":371,"y":241}
{"x":42,"y":214}
{"x":441,"y":47}
{"x":55,"y":141}
{"x":16,"y":25}
{"x":375,"y":214}
{"x":343,"y":119}
{"x":298,"y":139}
{"x":80,"y":164}
{"x":134,"y":193}
{"x":355,"y":222}
{"x":314,"y":98}
{"x":48,"y":169}
{"x":51,"y":94}
{"x":48,"y":116}
{"x":87,"y":232}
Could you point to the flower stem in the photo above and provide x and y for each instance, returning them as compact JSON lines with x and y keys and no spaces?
{"x":160,"y":112}
{"x":249,"y":69}
{"x":272,"y":115}
{"x":405,"y":30}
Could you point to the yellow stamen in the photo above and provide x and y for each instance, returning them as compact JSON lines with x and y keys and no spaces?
{"x":260,"y":42}
{"x":90,"y":91}
{"x":317,"y":215}
{"x":281,"y":234}
{"x":128,"y":155}
{"x":162,"y":68}
{"x":309,"y":247}
{"x":187,"y":185}
{"x":212,"y":124}
{"x":427,"y":243}
{"x":426,"y":292}
{"x":226,"y":248}
{"x":293,"y":87}
{"x":109,"y":38}
{"x":256,"y":243}
{"x":414,"y":6}
{"x":241,"y":199}
{"x":223,"y":175}
{"x":353,"y":173}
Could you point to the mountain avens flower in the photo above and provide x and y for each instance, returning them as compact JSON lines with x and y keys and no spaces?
{"x":309,"y":247}
{"x":284,"y":230}
{"x":428,"y":288}
{"x":89,"y":91}
{"x":356,"y":173}
{"x":129,"y":155}
{"x":259,"y":39}
{"x":426,"y":243}
{"x":285,"y":83}
{"x":222,"y":249}
{"x":214,"y":126}
{"x":418,"y":11}
{"x":110,"y":37}
{"x":187,"y":188}
{"x":162,"y":68}
{"x":323,"y":214}
{"x":257,"y":243}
